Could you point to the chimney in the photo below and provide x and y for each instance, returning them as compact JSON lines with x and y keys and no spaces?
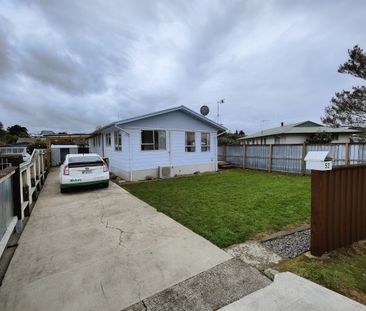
{"x":281,"y":123}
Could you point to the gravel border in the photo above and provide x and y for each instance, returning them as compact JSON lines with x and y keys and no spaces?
{"x":291,"y":245}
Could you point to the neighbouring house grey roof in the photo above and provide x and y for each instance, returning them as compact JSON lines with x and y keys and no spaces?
{"x":25,"y":140}
{"x":306,"y":127}
{"x":157,"y":113}
{"x":47,"y":132}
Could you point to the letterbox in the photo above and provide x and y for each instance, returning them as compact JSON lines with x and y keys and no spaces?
{"x":318,"y":161}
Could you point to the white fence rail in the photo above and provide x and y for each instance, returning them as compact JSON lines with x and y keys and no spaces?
{"x":19,"y":188}
{"x":288,"y":158}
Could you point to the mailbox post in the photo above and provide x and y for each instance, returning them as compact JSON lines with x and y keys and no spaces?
{"x":318,"y":161}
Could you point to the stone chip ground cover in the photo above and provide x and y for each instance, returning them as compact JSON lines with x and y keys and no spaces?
{"x":230,"y":207}
{"x":292,"y":245}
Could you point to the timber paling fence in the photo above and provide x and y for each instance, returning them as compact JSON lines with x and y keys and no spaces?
{"x":338,"y":208}
{"x":289,"y":158}
{"x":20,"y":184}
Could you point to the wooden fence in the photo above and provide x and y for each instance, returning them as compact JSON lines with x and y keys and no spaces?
{"x":289,"y":158}
{"x":338,"y":208}
{"x":20,"y":185}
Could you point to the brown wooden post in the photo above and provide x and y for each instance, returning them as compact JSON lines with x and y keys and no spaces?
{"x":303,"y":154}
{"x":346,"y":153}
{"x":318,"y":242}
{"x":48,"y":153}
{"x":270,"y":158}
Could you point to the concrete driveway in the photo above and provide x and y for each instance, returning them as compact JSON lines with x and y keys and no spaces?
{"x":101,"y":249}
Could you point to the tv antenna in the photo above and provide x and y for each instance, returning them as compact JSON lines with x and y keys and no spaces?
{"x":219,"y":102}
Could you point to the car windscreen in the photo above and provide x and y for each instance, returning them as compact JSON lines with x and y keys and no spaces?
{"x":85,"y":161}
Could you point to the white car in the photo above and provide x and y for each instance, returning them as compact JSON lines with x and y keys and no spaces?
{"x":82,"y":170}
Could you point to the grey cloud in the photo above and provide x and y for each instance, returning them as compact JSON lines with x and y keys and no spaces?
{"x":80,"y":64}
{"x":58,"y":69}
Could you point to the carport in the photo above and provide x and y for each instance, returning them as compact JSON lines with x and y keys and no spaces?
{"x":62,"y":138}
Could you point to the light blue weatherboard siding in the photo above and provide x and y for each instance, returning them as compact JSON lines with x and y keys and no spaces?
{"x":176,"y":122}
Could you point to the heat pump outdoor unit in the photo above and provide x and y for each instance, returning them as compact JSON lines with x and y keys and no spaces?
{"x":165,"y":171}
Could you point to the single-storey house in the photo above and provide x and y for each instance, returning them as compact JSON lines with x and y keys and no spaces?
{"x":296,"y":133}
{"x":162,"y":144}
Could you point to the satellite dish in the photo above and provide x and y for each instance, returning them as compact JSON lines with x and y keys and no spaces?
{"x":204,"y":110}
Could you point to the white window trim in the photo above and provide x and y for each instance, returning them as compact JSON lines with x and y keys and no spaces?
{"x":190,"y":146}
{"x":153,"y":142}
{"x":108,"y":139}
{"x":117,"y":147}
{"x":208,"y":146}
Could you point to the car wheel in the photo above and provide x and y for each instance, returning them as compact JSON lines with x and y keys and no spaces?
{"x":63,"y":190}
{"x":106,"y":185}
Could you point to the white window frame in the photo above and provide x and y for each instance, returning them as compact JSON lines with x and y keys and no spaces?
{"x":191,"y":147}
{"x":108,"y":139}
{"x":159,"y":148}
{"x":117,"y":141}
{"x":206,"y":147}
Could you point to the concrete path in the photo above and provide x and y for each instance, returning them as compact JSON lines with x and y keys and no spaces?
{"x":100,"y":249}
{"x":290,"y":292}
{"x":207,"y":291}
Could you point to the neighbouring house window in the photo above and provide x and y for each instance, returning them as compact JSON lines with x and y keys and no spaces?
{"x":108,"y":140}
{"x":190,"y":142}
{"x":117,"y":141}
{"x":153,"y":140}
{"x":98,"y":140}
{"x":277,"y":139}
{"x":205,"y":142}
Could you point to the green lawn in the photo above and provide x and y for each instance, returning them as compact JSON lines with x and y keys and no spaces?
{"x":232,"y":206}
{"x":343,"y":270}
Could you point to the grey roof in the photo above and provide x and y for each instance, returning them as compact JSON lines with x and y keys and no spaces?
{"x":157,"y":113}
{"x":306,"y":127}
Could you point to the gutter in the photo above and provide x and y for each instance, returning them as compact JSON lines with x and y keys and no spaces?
{"x":129,"y":150}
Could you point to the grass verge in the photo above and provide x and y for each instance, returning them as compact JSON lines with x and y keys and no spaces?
{"x":343,"y":270}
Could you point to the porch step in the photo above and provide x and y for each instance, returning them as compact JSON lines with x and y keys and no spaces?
{"x":224,"y":165}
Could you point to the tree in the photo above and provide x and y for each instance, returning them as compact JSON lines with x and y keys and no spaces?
{"x":348,"y":108}
{"x":38,"y":144}
{"x":320,"y":138}
{"x":229,"y":138}
{"x":2,"y":131}
{"x":18,"y":130}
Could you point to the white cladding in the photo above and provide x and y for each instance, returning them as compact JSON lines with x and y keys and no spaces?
{"x":131,"y":158}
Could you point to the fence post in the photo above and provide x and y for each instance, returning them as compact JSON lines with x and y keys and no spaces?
{"x":303,"y":154}
{"x":244,"y":155}
{"x":270,"y":158}
{"x":346,"y":152}
{"x":318,"y":240}
{"x":17,"y":199}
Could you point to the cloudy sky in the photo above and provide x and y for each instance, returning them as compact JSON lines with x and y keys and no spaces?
{"x":75,"y":65}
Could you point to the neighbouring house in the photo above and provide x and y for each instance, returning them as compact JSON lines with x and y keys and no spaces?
{"x":297,"y":133}
{"x":166,"y":143}
{"x":16,"y":148}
